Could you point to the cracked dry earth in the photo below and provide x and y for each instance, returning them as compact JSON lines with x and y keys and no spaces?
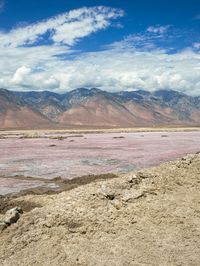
{"x":151,"y":217}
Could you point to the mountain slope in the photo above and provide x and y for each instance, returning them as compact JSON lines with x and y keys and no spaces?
{"x":164,"y":106}
{"x":94,"y":107}
{"x":46,"y":102}
{"x":97,"y":108}
{"x":14,"y":113}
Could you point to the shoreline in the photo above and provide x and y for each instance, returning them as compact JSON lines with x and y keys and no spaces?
{"x":64,"y":185}
{"x":140,"y":215}
{"x":44,"y":164}
{"x":103,"y":130}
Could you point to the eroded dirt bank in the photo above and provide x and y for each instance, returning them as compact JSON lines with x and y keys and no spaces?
{"x":151,"y":217}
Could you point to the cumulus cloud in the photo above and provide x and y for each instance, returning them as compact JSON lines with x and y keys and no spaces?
{"x":20,"y":74}
{"x":136,"y":62}
{"x":130,"y":70}
{"x":115,"y":70}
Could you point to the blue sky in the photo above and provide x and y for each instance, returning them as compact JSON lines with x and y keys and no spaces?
{"x":114,"y":45}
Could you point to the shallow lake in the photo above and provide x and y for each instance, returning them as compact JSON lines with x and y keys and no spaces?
{"x":78,"y":155}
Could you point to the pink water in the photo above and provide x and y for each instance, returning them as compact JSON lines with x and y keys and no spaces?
{"x":92,"y":153}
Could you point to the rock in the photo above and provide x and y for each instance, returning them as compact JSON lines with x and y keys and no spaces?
{"x":141,"y":175}
{"x":106,"y":192}
{"x":110,"y":196}
{"x":133,"y":180}
{"x":12,"y":215}
{"x":145,"y":175}
{"x":3,"y":226}
{"x":133,"y":195}
{"x":52,"y":145}
{"x":117,"y":204}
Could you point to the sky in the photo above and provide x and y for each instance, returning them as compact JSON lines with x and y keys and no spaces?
{"x":114,"y":45}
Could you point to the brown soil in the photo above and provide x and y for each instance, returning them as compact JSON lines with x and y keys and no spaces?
{"x":151,"y":217}
{"x":7,"y":203}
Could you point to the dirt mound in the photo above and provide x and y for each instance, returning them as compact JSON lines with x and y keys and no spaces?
{"x":146,"y":218}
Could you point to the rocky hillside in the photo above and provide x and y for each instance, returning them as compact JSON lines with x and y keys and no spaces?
{"x":97,"y":108}
{"x":16,"y":113}
{"x":146,"y":218}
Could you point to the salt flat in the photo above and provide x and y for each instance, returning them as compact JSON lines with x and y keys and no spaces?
{"x":51,"y":155}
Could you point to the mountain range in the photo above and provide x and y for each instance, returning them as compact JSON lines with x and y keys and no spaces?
{"x":97,"y":108}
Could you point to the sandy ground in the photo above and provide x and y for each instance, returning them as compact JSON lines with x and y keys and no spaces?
{"x":151,"y":217}
{"x":41,"y":156}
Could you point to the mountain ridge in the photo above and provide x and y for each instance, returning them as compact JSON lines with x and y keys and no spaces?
{"x":98,"y":108}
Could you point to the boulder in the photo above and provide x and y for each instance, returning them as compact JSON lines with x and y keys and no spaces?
{"x":12,"y":215}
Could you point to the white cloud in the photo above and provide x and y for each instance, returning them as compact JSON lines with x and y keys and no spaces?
{"x":158,"y":29}
{"x":66,"y":28}
{"x":196,"y":45}
{"x":115,"y":70}
{"x":51,"y":83}
{"x":145,"y":40}
{"x":125,"y":70}
{"x":20,"y":74}
{"x":133,"y":63}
